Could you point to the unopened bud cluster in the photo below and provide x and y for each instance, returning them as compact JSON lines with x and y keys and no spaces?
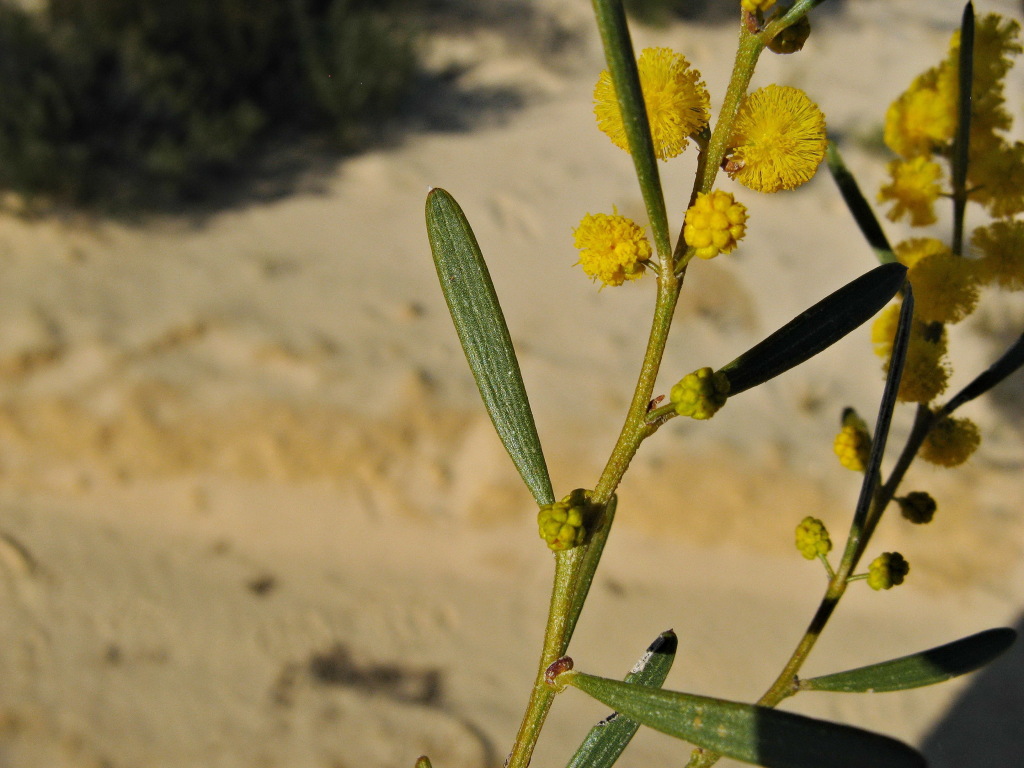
{"x":887,"y":571}
{"x":812,"y":538}
{"x":918,"y":507}
{"x":700,"y":394}
{"x":563,"y":524}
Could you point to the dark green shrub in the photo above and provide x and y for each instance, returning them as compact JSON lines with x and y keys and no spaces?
{"x":128,"y":103}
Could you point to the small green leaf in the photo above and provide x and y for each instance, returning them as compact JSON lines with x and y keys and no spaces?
{"x":859,"y":208}
{"x":925,"y":668}
{"x":746,"y":732}
{"x":423,"y":762}
{"x":474,"y":307}
{"x":606,"y":740}
{"x":818,"y":328}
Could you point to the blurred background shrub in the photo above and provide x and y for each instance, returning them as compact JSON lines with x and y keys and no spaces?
{"x":127,"y":104}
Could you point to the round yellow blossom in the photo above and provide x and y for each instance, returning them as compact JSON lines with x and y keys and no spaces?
{"x":676,"y":100}
{"x":925,"y":370}
{"x":913,"y":190}
{"x":945,"y":288}
{"x":778,"y":139}
{"x":700,"y":394}
{"x":883,"y":329}
{"x":1002,"y":247}
{"x":951,"y":442}
{"x":853,"y":447}
{"x":612,"y":249}
{"x":888,"y":570}
{"x":996,"y":178}
{"x":812,"y":538}
{"x":923,"y":118}
{"x":917,"y":506}
{"x":752,"y":6}
{"x":563,"y":524}
{"x":714,"y":224}
{"x":909,"y":252}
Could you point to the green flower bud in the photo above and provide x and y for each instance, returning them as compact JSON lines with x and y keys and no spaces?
{"x":792,"y":38}
{"x":918,"y":507}
{"x":563,"y":524}
{"x":700,"y":394}
{"x":887,"y":570}
{"x":812,"y":538}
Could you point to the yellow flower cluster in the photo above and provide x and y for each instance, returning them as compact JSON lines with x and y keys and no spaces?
{"x":921,"y":126}
{"x":778,"y":140}
{"x":853,"y":447}
{"x":1001,"y":245}
{"x":676,"y":100}
{"x":714,"y":224}
{"x":701,"y":394}
{"x":812,"y":538}
{"x":612,"y":249}
{"x":753,"y":6}
{"x":926,"y":369}
{"x":945,"y":285}
{"x":951,"y":442}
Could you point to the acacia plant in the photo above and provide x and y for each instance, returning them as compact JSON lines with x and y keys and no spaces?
{"x":948,"y":133}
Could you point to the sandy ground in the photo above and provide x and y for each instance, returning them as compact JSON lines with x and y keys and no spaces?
{"x":252,"y":513}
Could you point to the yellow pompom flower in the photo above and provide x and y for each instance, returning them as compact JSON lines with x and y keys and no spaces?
{"x":812,"y":538}
{"x":923,"y":118}
{"x":752,"y":6}
{"x":612,"y":249}
{"x":1001,"y":245}
{"x":778,"y":139}
{"x":925,"y":370}
{"x":714,"y":224}
{"x":853,"y":447}
{"x":996,"y":39}
{"x":883,"y":329}
{"x":676,"y":100}
{"x":951,"y":442}
{"x":701,"y":394}
{"x":913,"y":190}
{"x":996,"y":178}
{"x":945,"y":285}
{"x":909,"y":252}
{"x":945,"y":288}
{"x":888,"y":570}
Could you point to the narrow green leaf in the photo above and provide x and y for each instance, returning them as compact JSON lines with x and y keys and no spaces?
{"x":584,"y":575}
{"x":859,"y":207}
{"x":818,"y":328}
{"x":474,"y":307}
{"x":606,"y":740}
{"x":618,"y":51}
{"x":746,"y":732}
{"x":919,"y":669}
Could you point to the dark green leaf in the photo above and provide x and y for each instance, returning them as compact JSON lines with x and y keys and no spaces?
{"x":926,"y":668}
{"x":818,"y":328}
{"x":746,"y":732}
{"x":863,"y":527}
{"x":480,"y":324}
{"x":606,"y":740}
{"x":859,"y":207}
{"x":961,"y":141}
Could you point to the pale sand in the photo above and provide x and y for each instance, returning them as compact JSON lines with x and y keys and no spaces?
{"x":252,"y":513}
